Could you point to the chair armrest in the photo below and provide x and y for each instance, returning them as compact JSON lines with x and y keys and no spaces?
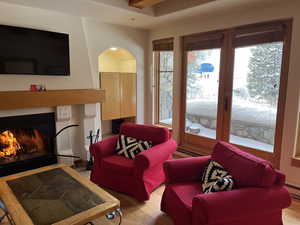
{"x":186,"y":169}
{"x":104,"y":148}
{"x":280,"y":180}
{"x":155,"y":155}
{"x":223,"y":207}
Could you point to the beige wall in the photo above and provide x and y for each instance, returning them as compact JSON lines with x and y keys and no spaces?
{"x":87,"y":40}
{"x":56,"y":22}
{"x":235,"y":17}
{"x":80,"y":77}
{"x":128,"y":66}
{"x":101,"y":37}
{"x":117,"y":61}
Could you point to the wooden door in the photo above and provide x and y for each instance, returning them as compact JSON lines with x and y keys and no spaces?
{"x":128,"y":94}
{"x":111,"y":108}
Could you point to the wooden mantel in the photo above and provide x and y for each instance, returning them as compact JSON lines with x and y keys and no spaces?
{"x":30,"y":99}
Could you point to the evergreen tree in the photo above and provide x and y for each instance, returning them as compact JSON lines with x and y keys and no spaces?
{"x":264,"y":72}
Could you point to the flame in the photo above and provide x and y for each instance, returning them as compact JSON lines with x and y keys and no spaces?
{"x":10,"y":143}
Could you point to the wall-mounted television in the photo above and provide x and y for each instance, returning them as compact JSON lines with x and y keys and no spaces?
{"x":33,"y":52}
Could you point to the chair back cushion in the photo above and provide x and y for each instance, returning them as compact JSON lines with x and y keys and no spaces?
{"x":247,"y":170}
{"x":156,"y":135}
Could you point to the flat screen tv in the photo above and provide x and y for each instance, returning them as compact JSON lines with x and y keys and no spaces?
{"x":28,"y":51}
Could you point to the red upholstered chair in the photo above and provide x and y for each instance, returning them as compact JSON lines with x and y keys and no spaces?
{"x":136,"y":177}
{"x":257,"y":199}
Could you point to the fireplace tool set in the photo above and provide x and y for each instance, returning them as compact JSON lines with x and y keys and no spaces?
{"x":92,"y":141}
{"x":92,"y":138}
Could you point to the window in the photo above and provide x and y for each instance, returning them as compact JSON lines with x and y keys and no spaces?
{"x":202,"y":89}
{"x":163,"y":67}
{"x":234,"y":88}
{"x":256,"y":84}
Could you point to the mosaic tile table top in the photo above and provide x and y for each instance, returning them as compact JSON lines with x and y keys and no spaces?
{"x":55,"y":195}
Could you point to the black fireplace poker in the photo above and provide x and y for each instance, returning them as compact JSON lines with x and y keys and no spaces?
{"x":61,"y":130}
{"x":64,"y":128}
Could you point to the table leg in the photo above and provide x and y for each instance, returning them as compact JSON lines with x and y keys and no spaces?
{"x":111,"y":216}
{"x":6,"y":214}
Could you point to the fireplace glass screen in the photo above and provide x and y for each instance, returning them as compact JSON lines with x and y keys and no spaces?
{"x":26,"y":142}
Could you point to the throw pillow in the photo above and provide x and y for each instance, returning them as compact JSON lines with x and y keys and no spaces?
{"x":129,"y":147}
{"x":216,"y":178}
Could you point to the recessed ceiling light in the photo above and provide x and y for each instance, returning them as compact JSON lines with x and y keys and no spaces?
{"x":113,"y":48}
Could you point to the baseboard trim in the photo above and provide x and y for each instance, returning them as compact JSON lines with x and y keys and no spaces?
{"x":295,"y":196}
{"x":193,"y":154}
{"x":294,"y":191}
{"x":293,"y":186}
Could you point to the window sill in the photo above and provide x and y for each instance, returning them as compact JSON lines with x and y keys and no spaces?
{"x":296,"y":161}
{"x":165,"y":126}
{"x":196,"y":151}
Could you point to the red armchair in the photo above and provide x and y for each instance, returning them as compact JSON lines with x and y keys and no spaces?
{"x":257,"y":199}
{"x":136,"y":177}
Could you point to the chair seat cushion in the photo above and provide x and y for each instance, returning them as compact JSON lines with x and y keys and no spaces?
{"x":185,"y":192}
{"x":178,"y":199}
{"x":118,"y":164}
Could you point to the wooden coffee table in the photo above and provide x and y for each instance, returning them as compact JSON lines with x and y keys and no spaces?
{"x":55,"y":195}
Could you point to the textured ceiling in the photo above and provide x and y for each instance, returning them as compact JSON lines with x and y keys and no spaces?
{"x":118,"y":11}
{"x":170,"y":6}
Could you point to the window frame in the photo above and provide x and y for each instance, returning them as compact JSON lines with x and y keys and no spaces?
{"x":159,"y":46}
{"x":295,"y":160}
{"x":264,"y":32}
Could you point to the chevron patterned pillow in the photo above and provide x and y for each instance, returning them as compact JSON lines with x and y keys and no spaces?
{"x":216,"y":178}
{"x":129,"y":147}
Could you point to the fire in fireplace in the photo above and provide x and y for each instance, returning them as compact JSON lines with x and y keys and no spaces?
{"x":9,"y":146}
{"x":26,"y":142}
{"x":20,"y":144}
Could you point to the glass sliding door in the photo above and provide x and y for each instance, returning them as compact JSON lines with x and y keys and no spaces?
{"x":234,"y":88}
{"x":202,"y":89}
{"x":256,"y":84}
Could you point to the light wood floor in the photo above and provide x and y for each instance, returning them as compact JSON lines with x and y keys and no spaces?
{"x":137,"y":213}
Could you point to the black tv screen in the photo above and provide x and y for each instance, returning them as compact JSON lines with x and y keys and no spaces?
{"x":35,"y":52}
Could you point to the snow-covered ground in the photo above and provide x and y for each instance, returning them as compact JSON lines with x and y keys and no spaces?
{"x":210,"y":133}
{"x":244,"y":111}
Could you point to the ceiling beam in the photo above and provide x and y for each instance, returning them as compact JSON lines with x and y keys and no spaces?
{"x":144,"y":3}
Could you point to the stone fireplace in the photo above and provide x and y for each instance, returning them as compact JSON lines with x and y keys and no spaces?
{"x":27,"y":142}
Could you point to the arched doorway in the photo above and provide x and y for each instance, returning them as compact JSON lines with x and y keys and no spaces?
{"x":117,"y":76}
